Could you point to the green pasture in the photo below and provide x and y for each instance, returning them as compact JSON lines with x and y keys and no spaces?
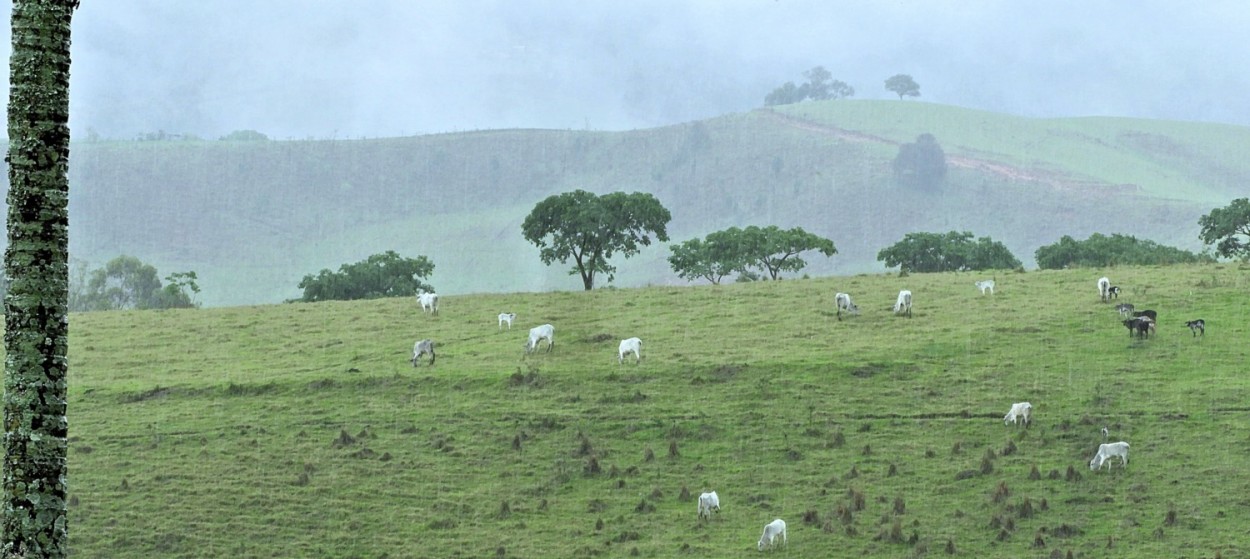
{"x":1167,"y":159}
{"x":302,"y":430}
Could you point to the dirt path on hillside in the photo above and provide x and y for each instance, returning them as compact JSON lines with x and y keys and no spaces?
{"x":1057,"y":181}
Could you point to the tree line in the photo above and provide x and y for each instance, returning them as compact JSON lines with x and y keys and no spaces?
{"x":587,"y":229}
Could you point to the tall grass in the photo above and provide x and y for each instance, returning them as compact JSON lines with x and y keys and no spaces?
{"x":302,"y":430}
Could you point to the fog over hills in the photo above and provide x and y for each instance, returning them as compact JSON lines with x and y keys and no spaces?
{"x":253,"y":217}
{"x":433,"y":127}
{"x":381,"y":68}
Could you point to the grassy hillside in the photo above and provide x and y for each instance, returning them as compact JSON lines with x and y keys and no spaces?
{"x":302,"y":430}
{"x":252,"y":218}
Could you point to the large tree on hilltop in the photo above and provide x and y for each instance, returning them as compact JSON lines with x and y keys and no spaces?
{"x":37,"y":264}
{"x":589,"y":229}
{"x":903,"y":85}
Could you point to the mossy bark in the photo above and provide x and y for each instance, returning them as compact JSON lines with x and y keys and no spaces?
{"x":36,"y":262}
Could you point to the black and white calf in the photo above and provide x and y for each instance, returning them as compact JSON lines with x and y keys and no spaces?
{"x":1197,"y":327}
{"x":1114,"y":291}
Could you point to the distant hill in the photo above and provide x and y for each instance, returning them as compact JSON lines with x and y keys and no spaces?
{"x":251,"y":218}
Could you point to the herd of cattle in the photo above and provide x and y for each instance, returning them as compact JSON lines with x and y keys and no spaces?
{"x":1139,"y":323}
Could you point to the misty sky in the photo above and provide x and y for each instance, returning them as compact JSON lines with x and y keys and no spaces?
{"x":373,"y":68}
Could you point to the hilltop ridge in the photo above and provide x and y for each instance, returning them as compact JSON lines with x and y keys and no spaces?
{"x":251,"y":218}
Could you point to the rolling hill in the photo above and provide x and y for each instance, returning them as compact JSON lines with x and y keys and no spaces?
{"x":302,"y":430}
{"x":251,"y":218}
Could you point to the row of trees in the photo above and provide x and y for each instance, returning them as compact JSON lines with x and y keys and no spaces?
{"x":820,"y":86}
{"x":588,"y":229}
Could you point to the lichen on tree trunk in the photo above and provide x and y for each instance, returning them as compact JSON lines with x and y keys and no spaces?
{"x":36,"y":261}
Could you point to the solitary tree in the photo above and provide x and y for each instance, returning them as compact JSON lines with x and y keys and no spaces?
{"x":921,"y":164}
{"x":947,"y":252}
{"x":1228,"y":229}
{"x":37,"y":264}
{"x":1102,"y":250}
{"x":589,"y":229}
{"x":903,"y":85}
{"x":380,"y":275}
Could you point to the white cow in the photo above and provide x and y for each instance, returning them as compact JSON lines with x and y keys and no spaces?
{"x":708,"y":502}
{"x":422,"y":347}
{"x":903,"y":304}
{"x":986,"y":284}
{"x":843,"y":303}
{"x":1107,"y":450}
{"x":429,"y":302}
{"x":539,"y":333}
{"x":771,"y":531}
{"x":1104,"y":289}
{"x":506,"y":317}
{"x":633,"y":345}
{"x":1019,"y":411}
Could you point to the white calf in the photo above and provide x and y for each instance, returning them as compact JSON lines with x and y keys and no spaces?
{"x":539,"y":333}
{"x":903,"y":304}
{"x":986,"y":284}
{"x":771,"y":531}
{"x":708,"y":502}
{"x":421,"y":348}
{"x":1104,"y":289}
{"x":429,"y":302}
{"x":633,"y":345}
{"x":1019,"y":411}
{"x":506,"y":317}
{"x":1125,"y":309}
{"x":1107,"y":450}
{"x":843,"y":303}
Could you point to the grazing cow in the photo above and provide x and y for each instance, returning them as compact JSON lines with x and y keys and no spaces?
{"x":986,"y":284}
{"x":771,"y":531}
{"x":1104,"y":288}
{"x":429,"y":302}
{"x":1197,"y":327}
{"x":1147,"y":313}
{"x":1141,"y":326}
{"x":506,"y":317}
{"x":1125,"y":309}
{"x":903,"y":304}
{"x":843,"y":303}
{"x":1114,"y":291}
{"x":1020,"y":411}
{"x":708,"y":503}
{"x":539,"y":333}
{"x":1106,"y":451}
{"x":421,"y":348}
{"x":633,"y":345}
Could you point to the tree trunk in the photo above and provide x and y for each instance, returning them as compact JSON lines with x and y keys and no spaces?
{"x":37,"y":264}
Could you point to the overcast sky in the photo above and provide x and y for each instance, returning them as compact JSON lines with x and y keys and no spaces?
{"x":374,"y":68}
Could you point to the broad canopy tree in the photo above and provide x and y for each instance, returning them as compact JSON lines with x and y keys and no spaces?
{"x":380,"y":275}
{"x":771,"y":250}
{"x":1116,"y":249}
{"x":947,"y":252}
{"x":1228,"y":228}
{"x":902,"y":85}
{"x":589,"y":229}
